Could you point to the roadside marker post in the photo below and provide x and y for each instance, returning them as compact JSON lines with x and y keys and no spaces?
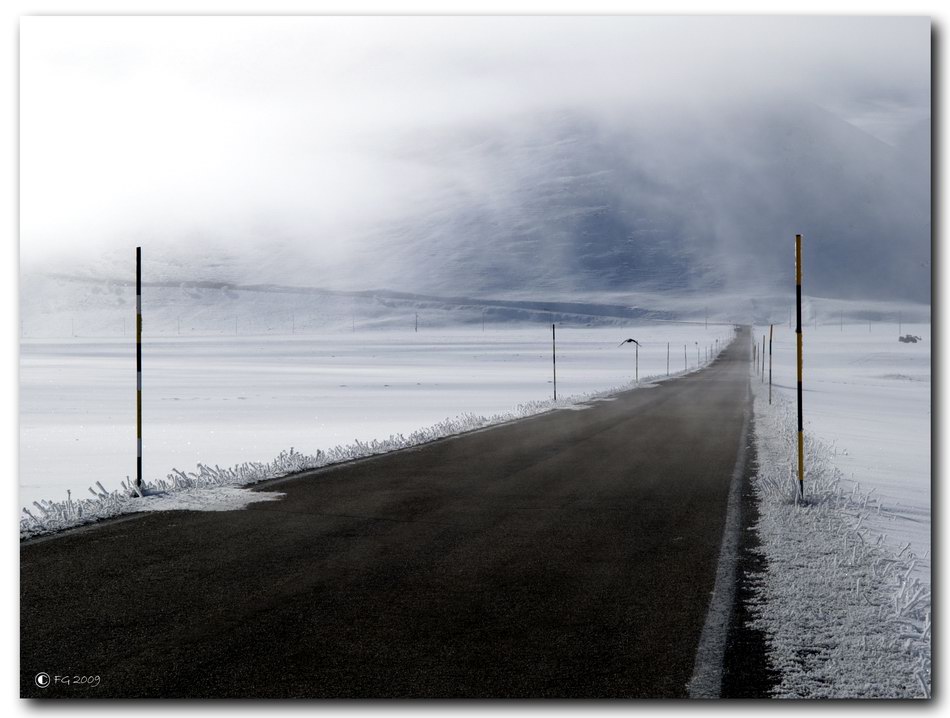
{"x":798,"y":334}
{"x":771,"y":326}
{"x":667,"y":358}
{"x":636,"y":376}
{"x":763,"y":358}
{"x":138,"y":367}
{"x":554,"y":359}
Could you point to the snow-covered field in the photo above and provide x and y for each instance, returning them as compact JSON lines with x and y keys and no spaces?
{"x":228,"y":400}
{"x":845,"y":600}
{"x":868,"y":397}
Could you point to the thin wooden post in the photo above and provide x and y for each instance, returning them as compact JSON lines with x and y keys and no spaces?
{"x":798,"y":334}
{"x":554,"y":359}
{"x":138,"y":368}
{"x":770,"y":362}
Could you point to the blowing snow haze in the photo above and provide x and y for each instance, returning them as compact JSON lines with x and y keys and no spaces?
{"x":491,"y":156}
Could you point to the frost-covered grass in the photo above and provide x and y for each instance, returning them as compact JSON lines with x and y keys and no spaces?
{"x":48,"y":516}
{"x":843,"y":612}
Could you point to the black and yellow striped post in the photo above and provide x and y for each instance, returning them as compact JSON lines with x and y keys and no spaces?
{"x":138,"y":366}
{"x":798,"y":335}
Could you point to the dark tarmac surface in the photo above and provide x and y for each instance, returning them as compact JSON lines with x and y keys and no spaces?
{"x":570,"y":555}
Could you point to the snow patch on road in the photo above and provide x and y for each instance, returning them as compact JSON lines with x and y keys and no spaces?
{"x":844,"y":613}
{"x":221,"y":498}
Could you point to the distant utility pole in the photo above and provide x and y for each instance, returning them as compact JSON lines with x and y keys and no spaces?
{"x":417,"y":322}
{"x":138,"y":368}
{"x":554,"y":359}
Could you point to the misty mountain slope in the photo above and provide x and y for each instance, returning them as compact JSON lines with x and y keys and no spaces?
{"x":657,"y":200}
{"x":566,"y":203}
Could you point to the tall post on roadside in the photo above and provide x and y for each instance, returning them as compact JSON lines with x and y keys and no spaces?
{"x":667,"y":358}
{"x":798,"y":335}
{"x":763,"y":358}
{"x":138,"y":367}
{"x":771,"y":326}
{"x":636,"y":374}
{"x":554,"y":359}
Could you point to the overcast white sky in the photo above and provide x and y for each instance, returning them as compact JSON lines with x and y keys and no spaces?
{"x":137,"y":125}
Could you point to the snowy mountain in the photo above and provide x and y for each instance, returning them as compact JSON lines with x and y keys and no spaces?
{"x":564,"y":205}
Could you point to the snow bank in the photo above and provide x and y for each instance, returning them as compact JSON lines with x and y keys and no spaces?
{"x":843,"y":613}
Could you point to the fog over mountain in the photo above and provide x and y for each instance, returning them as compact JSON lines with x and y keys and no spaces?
{"x":485,"y":157}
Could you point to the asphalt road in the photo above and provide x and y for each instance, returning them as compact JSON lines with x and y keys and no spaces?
{"x":568,"y":555}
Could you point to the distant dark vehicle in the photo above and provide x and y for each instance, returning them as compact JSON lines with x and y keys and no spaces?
{"x":908,"y":339}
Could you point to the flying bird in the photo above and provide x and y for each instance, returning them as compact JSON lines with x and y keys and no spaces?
{"x":627,"y":341}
